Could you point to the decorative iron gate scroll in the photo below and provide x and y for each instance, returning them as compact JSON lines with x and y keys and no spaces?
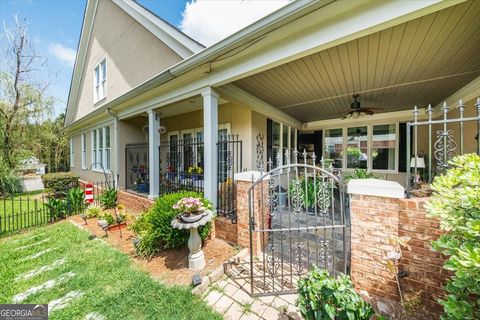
{"x":298,"y":219}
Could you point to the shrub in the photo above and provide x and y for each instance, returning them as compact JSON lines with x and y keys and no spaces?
{"x":57,"y":208}
{"x":154,"y":227}
{"x":10,"y":182}
{"x":322,"y":297}
{"x":456,"y":201}
{"x":76,"y":200}
{"x":93,"y":212}
{"x":360,"y":174}
{"x":108,"y":198}
{"x":60,"y":182}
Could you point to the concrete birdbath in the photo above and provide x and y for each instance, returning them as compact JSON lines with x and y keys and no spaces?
{"x":196,"y":258}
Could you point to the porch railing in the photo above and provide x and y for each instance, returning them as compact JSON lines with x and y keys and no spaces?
{"x":449,"y":141}
{"x":136,"y":168}
{"x":182,"y":169}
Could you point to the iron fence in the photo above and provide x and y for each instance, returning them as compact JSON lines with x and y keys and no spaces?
{"x":229,"y":155}
{"x":21,"y":212}
{"x":450,"y":140}
{"x":136,"y":168}
{"x":182,"y":169}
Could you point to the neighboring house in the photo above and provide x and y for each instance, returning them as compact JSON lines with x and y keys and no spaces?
{"x":149,"y":103}
{"x":32,"y":165}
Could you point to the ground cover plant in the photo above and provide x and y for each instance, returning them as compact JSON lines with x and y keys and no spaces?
{"x":456,"y":202}
{"x":322,"y":297}
{"x":104,"y":280}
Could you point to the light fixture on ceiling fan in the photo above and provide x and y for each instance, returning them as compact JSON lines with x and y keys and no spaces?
{"x":356,"y":110}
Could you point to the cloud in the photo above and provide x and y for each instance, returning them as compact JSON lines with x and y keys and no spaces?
{"x":209,"y":21}
{"x":63,"y":53}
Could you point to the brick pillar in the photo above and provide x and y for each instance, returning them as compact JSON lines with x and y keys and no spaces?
{"x":244,"y":183}
{"x":374,"y":220}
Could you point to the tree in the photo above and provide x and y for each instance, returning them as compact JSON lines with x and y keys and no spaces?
{"x":23,"y":102}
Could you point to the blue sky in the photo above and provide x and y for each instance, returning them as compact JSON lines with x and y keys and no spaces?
{"x":54,"y":26}
{"x":54,"y":22}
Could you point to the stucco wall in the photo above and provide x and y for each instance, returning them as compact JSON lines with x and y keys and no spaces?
{"x":133,"y":55}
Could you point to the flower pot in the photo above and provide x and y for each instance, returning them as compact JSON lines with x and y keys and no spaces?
{"x":191,"y":219}
{"x":117,"y":226}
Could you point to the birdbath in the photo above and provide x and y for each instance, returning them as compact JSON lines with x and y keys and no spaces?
{"x":196,"y":258}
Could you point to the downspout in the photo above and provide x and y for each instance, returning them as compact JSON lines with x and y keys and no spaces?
{"x":115,"y":146}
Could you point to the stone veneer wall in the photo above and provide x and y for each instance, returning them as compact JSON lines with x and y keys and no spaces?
{"x":373,"y":220}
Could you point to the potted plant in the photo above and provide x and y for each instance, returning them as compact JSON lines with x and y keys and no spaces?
{"x":190,"y":209}
{"x":195,"y":172}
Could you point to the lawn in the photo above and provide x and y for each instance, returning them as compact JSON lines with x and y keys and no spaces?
{"x":105,"y":280}
{"x":21,"y":211}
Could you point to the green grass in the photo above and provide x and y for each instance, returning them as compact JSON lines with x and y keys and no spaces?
{"x":112,"y":285}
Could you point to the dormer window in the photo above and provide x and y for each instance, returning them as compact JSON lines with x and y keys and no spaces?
{"x":100,"y":81}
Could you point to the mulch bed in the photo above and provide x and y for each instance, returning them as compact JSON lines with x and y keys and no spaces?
{"x":169,"y":266}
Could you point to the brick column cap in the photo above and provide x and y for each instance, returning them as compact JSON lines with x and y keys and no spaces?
{"x":376,"y":187}
{"x":249,"y":176}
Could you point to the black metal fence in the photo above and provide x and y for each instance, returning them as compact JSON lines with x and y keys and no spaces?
{"x":447,"y":137}
{"x":21,"y":212}
{"x":229,"y":155}
{"x":182,"y":168}
{"x":136,"y":168}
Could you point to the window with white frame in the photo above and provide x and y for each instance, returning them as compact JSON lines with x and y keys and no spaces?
{"x":84,"y":150}
{"x":101,"y":150}
{"x":280,"y":139}
{"x":371,"y":147}
{"x":100,"y":81}
{"x":72,"y":153}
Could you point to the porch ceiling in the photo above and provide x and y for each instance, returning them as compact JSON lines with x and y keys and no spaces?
{"x":416,"y":63}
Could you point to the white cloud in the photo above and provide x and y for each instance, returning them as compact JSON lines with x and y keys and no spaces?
{"x":63,"y":53}
{"x":209,"y":21}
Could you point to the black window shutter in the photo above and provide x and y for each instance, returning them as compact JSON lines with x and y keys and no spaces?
{"x":269,"y":139}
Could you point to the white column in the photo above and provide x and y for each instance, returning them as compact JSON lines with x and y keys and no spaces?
{"x":210,"y":127}
{"x":153,"y":152}
{"x":116,"y":152}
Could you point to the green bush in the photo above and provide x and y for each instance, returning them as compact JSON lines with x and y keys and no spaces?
{"x":108,"y":198}
{"x":10,"y":181}
{"x":76,"y":201}
{"x":57,"y":208}
{"x":154,"y":227}
{"x":360,"y":174}
{"x":456,"y":201}
{"x":322,"y":297}
{"x":60,"y":182}
{"x":93,"y":212}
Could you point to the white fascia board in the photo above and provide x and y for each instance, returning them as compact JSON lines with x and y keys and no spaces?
{"x":236,"y":94}
{"x":152,"y":23}
{"x":80,"y":60}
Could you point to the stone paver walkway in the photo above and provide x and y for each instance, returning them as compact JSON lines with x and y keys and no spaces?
{"x":233,"y":302}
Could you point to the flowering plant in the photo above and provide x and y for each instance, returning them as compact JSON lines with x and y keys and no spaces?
{"x":197,"y":170}
{"x":189,"y":206}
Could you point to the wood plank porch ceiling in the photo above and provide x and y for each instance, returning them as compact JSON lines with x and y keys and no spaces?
{"x":416,"y":63}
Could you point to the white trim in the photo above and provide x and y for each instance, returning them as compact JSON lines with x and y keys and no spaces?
{"x":84,"y":151}
{"x":369,"y":126}
{"x":101,"y":77}
{"x":179,"y":42}
{"x":376,"y":187}
{"x":72,"y":153}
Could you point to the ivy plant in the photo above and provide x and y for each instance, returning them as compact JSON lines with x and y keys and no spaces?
{"x":456,"y":202}
{"x":322,"y":297}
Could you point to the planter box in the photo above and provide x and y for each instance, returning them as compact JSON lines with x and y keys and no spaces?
{"x":121,"y":225}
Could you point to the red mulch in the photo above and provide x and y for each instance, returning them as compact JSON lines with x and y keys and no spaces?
{"x":169,"y":266}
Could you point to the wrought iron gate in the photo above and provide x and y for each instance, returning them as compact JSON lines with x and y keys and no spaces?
{"x":298,"y":218}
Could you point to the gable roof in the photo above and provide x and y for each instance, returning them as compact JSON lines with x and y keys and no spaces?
{"x":173,"y":38}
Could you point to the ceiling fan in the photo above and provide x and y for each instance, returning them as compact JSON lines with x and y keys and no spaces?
{"x":357,"y":111}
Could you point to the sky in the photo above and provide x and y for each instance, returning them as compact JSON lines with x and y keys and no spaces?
{"x":55,"y":25}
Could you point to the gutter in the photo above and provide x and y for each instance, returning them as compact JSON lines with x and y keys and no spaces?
{"x":273,"y":21}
